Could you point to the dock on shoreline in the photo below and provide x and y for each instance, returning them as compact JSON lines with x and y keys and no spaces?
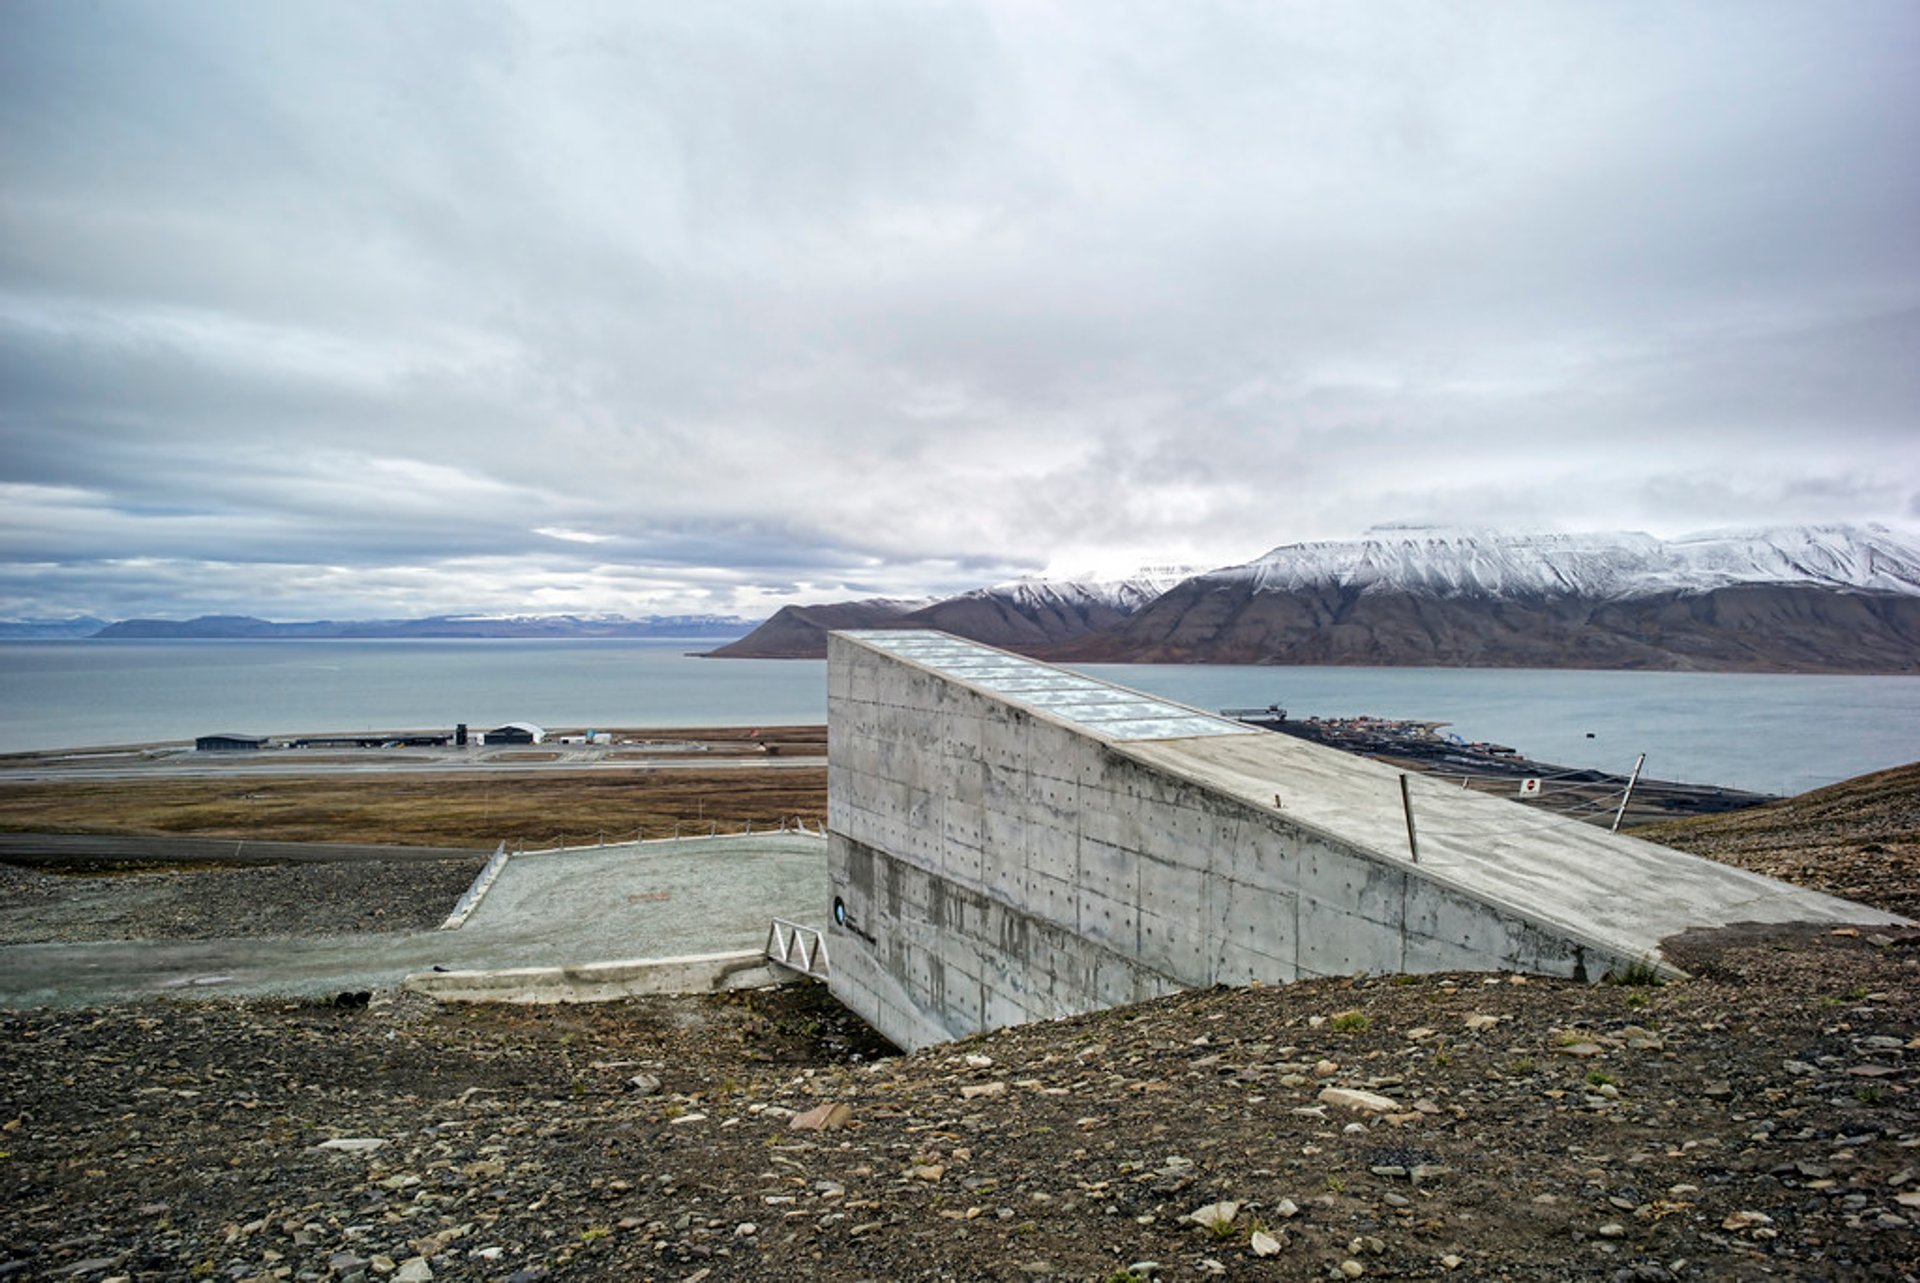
{"x":1581,"y":793}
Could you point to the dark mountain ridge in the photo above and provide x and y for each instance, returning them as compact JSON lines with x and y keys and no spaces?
{"x":1743,"y":628}
{"x":1025,"y":615}
{"x":800,"y":632}
{"x":1819,"y":599}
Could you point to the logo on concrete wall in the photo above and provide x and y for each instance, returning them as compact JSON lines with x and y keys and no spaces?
{"x":844,"y":920}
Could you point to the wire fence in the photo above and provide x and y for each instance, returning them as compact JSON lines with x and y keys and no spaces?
{"x":681,"y":832}
{"x":1563,"y":800}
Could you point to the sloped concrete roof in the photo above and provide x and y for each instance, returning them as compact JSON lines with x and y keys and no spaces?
{"x":1621,"y":893}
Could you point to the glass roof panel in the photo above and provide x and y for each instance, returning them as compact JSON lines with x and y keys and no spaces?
{"x":1107,"y":711}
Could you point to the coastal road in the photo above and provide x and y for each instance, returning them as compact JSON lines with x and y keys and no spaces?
{"x":168,"y":768}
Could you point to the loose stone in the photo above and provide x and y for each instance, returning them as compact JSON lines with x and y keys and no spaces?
{"x":1215,"y":1215}
{"x":1362,"y":1101}
{"x":822,"y":1118}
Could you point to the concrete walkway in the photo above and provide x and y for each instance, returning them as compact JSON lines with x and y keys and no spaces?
{"x":546,"y":909}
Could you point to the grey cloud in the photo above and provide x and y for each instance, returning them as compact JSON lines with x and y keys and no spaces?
{"x":867,"y":297}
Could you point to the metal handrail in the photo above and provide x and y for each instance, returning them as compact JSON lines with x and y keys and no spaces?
{"x":798,"y":948}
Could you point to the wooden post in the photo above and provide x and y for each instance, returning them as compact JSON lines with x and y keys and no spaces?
{"x":1406,"y":804}
{"x":1628,"y":795}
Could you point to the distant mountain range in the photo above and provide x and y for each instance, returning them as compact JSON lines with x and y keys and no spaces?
{"x":1842,"y":599}
{"x":1792,"y":599}
{"x":50,"y":629}
{"x":702,"y":627}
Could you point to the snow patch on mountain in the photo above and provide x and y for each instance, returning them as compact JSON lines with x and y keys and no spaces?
{"x":1466,"y":562}
{"x":585,"y":618}
{"x":1125,"y":595}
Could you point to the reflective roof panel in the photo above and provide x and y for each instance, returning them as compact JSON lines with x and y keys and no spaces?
{"x":1099,"y":708}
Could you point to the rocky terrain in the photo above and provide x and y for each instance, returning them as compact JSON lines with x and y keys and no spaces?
{"x":1758,"y":1120}
{"x":225,"y":901}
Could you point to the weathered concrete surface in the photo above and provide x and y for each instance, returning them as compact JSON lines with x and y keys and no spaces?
{"x":602,"y":981}
{"x":1010,"y":842}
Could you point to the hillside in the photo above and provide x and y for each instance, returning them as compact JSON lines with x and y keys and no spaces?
{"x":1858,"y":839}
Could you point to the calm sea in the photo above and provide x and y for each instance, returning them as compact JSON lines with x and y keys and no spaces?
{"x":1772,"y":733}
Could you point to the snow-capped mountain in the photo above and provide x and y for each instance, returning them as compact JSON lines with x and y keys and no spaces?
{"x":1033,"y":613}
{"x":1815,"y":598}
{"x":1126,"y":595}
{"x":1805,"y":599}
{"x":1449,"y":562}
{"x":1868,"y":558}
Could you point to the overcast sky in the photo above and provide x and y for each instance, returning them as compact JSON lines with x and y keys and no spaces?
{"x":363,"y":309}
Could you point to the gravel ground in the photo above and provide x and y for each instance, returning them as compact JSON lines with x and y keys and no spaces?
{"x":219,"y":901}
{"x":1760,"y":1121}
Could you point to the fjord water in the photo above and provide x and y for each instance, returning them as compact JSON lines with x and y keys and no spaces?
{"x":1777,"y":734}
{"x":1771,"y":733}
{"x":73,"y":693}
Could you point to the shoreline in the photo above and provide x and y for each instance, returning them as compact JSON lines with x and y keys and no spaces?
{"x":1591,"y":795}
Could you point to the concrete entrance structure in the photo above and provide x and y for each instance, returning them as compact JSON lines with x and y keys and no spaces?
{"x":567,"y":926}
{"x":1010,"y":841}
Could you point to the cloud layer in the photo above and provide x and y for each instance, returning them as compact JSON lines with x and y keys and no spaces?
{"x":323,"y":308}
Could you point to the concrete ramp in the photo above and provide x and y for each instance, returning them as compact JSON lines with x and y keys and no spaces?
{"x":1010,"y":841}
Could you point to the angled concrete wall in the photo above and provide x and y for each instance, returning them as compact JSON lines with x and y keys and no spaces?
{"x":1011,"y":842}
